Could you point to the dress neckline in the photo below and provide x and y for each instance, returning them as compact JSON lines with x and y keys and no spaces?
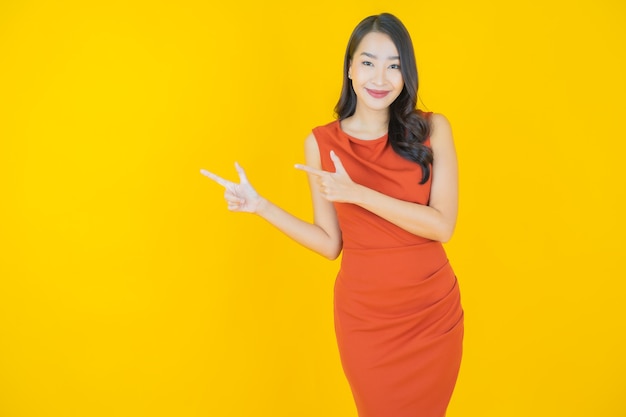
{"x":359,"y":140}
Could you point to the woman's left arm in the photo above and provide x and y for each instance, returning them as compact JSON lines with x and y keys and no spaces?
{"x":436,"y":220}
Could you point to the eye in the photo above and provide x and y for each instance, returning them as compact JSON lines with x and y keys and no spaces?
{"x":394,"y":66}
{"x":367,"y":63}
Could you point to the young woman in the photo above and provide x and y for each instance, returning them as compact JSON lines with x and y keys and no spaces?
{"x":383,"y":180}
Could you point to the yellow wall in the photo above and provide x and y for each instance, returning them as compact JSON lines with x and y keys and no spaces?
{"x":127,"y":289}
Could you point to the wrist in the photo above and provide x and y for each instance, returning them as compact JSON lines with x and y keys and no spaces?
{"x":359,"y":194}
{"x":261,"y":206}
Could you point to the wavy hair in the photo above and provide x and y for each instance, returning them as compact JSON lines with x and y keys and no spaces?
{"x":408,"y":128}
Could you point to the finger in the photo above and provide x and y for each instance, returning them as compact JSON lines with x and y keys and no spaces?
{"x":233,"y":198}
{"x":221,"y":181}
{"x":242,"y":174}
{"x":337,"y":162}
{"x":310,"y":170}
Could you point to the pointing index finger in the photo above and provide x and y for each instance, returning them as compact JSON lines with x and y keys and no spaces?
{"x":310,"y":170}
{"x":221,"y":181}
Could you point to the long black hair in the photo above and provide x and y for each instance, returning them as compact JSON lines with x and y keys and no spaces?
{"x":408,"y":129}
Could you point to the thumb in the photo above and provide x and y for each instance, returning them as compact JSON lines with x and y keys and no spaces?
{"x":339,"y":169}
{"x":242,"y":174}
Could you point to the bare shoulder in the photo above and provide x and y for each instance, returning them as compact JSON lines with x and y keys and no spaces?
{"x":440,"y":132}
{"x":310,"y":141}
{"x":441,"y":140}
{"x":312,"y":151}
{"x":440,"y":125}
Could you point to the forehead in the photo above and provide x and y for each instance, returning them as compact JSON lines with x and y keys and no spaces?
{"x":378,"y":44}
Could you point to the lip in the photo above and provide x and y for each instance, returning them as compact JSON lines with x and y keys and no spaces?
{"x":377,"y":93}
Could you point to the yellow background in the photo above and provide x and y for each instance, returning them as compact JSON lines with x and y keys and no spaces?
{"x":128,"y":289}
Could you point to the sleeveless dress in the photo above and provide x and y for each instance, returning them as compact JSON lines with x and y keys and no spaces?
{"x":397,"y":309}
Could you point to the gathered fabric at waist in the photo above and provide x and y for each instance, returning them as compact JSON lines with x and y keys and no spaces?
{"x":416,"y":261}
{"x":396,"y":278}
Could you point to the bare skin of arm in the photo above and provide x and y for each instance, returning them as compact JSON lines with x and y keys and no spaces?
{"x":322,"y":236}
{"x":435,"y":221}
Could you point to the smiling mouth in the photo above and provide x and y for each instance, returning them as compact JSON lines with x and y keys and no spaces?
{"x":377,"y":93}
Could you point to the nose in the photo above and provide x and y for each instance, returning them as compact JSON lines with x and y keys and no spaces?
{"x":379,"y":76}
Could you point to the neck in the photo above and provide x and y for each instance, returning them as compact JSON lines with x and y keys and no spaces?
{"x":374,"y":121}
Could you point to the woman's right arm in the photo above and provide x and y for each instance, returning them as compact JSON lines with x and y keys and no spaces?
{"x":322,"y":236}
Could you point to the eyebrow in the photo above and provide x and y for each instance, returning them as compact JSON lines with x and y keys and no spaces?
{"x":367,"y":54}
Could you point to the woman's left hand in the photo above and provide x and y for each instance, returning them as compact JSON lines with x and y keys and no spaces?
{"x":334,"y":186}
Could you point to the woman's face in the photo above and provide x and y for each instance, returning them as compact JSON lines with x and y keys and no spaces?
{"x":375,"y":72}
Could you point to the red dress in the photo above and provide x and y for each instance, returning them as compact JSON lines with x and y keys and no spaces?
{"x":398,"y":315}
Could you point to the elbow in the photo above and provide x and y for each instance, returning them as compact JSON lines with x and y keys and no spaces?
{"x":444,"y":238}
{"x":332,"y":253}
{"x":445,"y":233}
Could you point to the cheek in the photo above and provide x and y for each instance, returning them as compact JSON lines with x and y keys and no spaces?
{"x":398,"y":85}
{"x":397,"y":80}
{"x":359,"y":73}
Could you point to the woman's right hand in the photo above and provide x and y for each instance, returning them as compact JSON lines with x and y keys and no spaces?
{"x":240,"y":197}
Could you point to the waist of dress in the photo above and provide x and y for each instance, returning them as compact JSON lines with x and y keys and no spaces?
{"x":421,"y":259}
{"x":427,"y":248}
